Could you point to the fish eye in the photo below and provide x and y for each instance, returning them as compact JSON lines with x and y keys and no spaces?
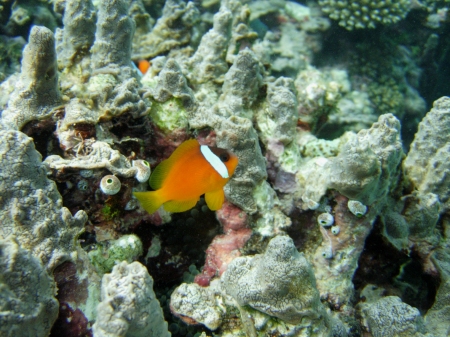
{"x":224,"y":157}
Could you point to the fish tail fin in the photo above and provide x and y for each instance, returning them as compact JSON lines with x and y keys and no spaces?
{"x":150,"y":201}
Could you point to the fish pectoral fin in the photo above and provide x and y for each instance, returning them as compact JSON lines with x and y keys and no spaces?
{"x":177,"y":206}
{"x":150,"y":201}
{"x":215,"y":199}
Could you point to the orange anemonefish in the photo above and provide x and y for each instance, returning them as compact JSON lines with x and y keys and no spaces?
{"x":191,"y":170}
{"x":143,"y":66}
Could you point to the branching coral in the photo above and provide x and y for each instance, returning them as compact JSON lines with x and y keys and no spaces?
{"x":208,"y":62}
{"x":172,"y":30}
{"x":113,"y":25}
{"x":37,"y":92}
{"x":77,"y":36}
{"x":365,"y":13}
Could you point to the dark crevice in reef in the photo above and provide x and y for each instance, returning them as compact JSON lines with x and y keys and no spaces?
{"x":183,"y":244}
{"x":71,"y":321}
{"x":184,"y":241}
{"x":42,"y":134}
{"x":382,"y":265}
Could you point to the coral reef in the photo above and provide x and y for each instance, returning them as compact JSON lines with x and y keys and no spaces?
{"x":389,"y":316}
{"x":77,"y":36}
{"x":129,"y":306}
{"x":173,"y":29}
{"x":427,"y":161}
{"x":208,"y":62}
{"x":336,"y":221}
{"x":279,"y":122}
{"x":97,"y":155}
{"x":440,"y":310}
{"x":127,"y":248}
{"x":27,"y":303}
{"x":33,"y":97}
{"x":225,"y":247}
{"x":195,"y":304}
{"x":176,"y":97}
{"x":366,"y":168}
{"x":279,"y":283}
{"x":31,"y":208}
{"x":365,"y":14}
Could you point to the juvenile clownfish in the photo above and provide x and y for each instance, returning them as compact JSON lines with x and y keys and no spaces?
{"x":191,"y":170}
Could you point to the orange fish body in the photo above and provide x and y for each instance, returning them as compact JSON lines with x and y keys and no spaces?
{"x":143,"y":66}
{"x":191,"y":170}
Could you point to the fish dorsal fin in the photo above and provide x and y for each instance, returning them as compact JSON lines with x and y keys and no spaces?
{"x":162,"y":170}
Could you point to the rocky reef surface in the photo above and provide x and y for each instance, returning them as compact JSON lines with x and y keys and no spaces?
{"x":337,"y":219}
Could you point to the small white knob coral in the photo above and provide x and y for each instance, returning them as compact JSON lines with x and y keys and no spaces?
{"x":335,"y":230}
{"x":142,"y":170}
{"x":357,"y":208}
{"x":110,"y":184}
{"x":325,"y":220}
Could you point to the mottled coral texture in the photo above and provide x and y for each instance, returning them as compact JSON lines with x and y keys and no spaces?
{"x":31,"y":210}
{"x":280,"y":283}
{"x":365,"y":13}
{"x":27,"y":303}
{"x":428,"y":161}
{"x":195,"y":304}
{"x":389,"y":316}
{"x":129,"y":306}
{"x":36,"y":92}
{"x":368,"y":165}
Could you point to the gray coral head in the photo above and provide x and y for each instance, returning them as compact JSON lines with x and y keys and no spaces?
{"x":281,"y":247}
{"x":279,"y":283}
{"x":39,"y":60}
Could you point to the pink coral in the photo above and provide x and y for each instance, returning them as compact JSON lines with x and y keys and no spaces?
{"x":225,"y":247}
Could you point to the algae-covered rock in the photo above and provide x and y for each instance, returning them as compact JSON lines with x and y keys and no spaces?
{"x":127,"y":248}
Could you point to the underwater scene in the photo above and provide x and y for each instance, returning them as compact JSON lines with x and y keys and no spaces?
{"x":223,"y":168}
